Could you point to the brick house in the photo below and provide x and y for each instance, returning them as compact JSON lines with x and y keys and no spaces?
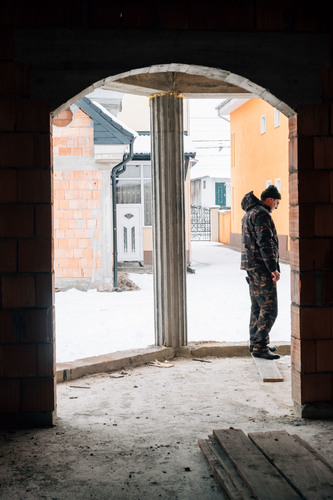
{"x":88,"y":142}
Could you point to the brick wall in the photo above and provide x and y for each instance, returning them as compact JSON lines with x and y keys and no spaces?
{"x":27,"y":368}
{"x":311,"y":230}
{"x":76,"y":223}
{"x":76,"y":199}
{"x":27,"y":382}
{"x":75,"y":138}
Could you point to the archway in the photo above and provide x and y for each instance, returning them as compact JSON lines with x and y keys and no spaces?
{"x":185,"y":80}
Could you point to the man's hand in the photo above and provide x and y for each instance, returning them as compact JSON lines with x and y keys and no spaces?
{"x":276,"y":275}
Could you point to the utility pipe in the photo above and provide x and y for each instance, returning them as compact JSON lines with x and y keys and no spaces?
{"x":117,"y":169}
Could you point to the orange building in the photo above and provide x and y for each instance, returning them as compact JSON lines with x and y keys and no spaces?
{"x":259,"y":157}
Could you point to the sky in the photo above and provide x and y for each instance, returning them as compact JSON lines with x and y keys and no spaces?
{"x":218,"y":308}
{"x":210,"y":135}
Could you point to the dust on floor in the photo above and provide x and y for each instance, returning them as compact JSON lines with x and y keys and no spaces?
{"x":135,"y":436}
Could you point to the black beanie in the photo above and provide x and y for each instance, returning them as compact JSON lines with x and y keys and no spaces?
{"x":271,"y":192}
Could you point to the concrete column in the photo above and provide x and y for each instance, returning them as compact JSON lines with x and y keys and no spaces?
{"x":105,"y":279}
{"x":169,"y":259}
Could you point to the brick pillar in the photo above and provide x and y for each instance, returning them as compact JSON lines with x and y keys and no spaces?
{"x":311,"y":232}
{"x":27,"y":353}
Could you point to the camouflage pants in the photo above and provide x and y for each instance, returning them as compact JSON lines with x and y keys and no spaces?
{"x":264,"y":308}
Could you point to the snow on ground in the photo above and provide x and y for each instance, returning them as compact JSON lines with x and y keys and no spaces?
{"x":93,"y":323}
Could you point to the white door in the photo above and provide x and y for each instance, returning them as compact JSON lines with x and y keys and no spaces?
{"x":129,"y":244}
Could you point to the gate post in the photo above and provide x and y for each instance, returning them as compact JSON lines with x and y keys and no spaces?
{"x":169,"y":254}
{"x":214,"y":223}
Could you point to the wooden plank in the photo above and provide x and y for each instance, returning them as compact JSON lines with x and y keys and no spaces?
{"x":268,"y":370}
{"x":218,"y":470}
{"x":315,"y":452}
{"x":300,"y":465}
{"x":229,"y":468}
{"x":263,"y":480}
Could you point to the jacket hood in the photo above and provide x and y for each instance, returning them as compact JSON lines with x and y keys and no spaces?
{"x":249,"y":201}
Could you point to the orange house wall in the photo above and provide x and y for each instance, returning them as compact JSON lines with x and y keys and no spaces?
{"x":76,"y":203}
{"x":224,"y":227}
{"x":257,"y":157}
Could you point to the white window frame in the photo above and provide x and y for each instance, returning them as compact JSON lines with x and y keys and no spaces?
{"x":262,"y":124}
{"x":276,"y":118}
{"x":277,"y":183}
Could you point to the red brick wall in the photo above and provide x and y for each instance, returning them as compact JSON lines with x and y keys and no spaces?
{"x":76,"y":223}
{"x":27,"y":382}
{"x":76,"y":200}
{"x":76,"y":139}
{"x":311,"y":230}
{"x":27,"y":350}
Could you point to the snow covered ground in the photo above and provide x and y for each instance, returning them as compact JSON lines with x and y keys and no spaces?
{"x":93,"y":323}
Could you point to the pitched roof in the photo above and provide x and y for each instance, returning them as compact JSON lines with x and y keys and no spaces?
{"x":107,"y":128}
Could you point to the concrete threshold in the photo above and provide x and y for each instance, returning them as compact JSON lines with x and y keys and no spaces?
{"x":124,"y":360}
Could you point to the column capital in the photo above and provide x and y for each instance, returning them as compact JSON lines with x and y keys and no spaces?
{"x":163,"y":94}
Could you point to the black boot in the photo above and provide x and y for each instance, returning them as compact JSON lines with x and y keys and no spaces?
{"x":265,"y":355}
{"x":272,"y":348}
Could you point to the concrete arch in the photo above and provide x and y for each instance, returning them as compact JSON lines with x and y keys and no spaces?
{"x":235,"y":84}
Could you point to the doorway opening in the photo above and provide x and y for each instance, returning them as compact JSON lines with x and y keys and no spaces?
{"x":130,"y":240}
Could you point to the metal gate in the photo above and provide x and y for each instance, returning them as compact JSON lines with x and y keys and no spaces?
{"x":200,"y":223}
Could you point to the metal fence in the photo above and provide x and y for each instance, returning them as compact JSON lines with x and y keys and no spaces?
{"x":200,"y":223}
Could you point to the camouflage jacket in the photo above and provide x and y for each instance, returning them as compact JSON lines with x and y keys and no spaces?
{"x":260,"y":244}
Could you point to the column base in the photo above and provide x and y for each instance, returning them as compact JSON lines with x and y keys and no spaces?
{"x":27,"y":420}
{"x":314,"y":411}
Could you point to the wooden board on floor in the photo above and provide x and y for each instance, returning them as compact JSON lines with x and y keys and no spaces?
{"x":268,"y":370}
{"x":219,"y":469}
{"x":311,"y":477}
{"x":264,"y":463}
{"x":262,"y":479}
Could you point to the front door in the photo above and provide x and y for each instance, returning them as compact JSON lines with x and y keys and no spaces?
{"x":129,"y":232}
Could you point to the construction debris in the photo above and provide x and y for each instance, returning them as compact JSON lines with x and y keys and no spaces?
{"x":157,"y":363}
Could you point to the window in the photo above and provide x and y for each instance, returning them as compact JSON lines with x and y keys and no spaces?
{"x":268,"y":183}
{"x":263,"y":124}
{"x":128,"y":191}
{"x":276,"y":118}
{"x":278,"y":184}
{"x":220,"y":194}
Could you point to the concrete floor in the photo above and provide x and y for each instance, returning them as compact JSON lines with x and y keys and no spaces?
{"x":135,"y":437}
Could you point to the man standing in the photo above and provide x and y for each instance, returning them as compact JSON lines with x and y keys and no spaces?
{"x":260,"y":258}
